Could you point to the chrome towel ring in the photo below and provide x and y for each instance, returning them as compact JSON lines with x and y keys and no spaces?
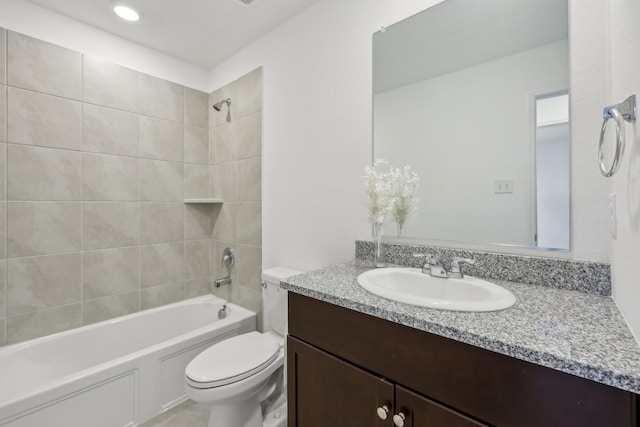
{"x":625,"y":111}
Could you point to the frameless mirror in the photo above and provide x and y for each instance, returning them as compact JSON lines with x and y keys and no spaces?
{"x":473,"y":95}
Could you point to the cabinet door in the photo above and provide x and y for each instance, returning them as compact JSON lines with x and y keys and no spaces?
{"x":418,"y":411}
{"x":325,"y":391}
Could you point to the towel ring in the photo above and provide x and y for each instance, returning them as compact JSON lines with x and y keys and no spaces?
{"x":625,"y":111}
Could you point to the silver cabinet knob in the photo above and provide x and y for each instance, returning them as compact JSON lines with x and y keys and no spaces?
{"x":383,"y":412}
{"x":398,"y":419}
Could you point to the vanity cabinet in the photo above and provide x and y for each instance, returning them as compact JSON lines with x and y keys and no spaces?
{"x":345,"y":366}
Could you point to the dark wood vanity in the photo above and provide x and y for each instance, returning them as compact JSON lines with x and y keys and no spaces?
{"x":348,"y":369}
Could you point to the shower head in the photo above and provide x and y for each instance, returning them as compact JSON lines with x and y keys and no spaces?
{"x":218,"y":105}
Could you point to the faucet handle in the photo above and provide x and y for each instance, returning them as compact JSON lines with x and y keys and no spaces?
{"x":426,"y":266}
{"x":455,"y":271}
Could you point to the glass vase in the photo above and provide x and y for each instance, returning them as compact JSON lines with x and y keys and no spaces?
{"x":379,"y":255}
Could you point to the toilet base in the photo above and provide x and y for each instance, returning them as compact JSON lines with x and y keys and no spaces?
{"x":239,"y":414}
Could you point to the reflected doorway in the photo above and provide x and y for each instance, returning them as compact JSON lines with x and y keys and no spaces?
{"x":552,"y":171}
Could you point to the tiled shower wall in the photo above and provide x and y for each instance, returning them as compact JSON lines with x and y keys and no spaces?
{"x":95,"y":162}
{"x":236,"y":170}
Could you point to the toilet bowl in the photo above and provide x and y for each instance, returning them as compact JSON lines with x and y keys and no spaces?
{"x":237,"y":376}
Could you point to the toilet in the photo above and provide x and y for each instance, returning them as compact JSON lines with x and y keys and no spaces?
{"x":241,"y":379}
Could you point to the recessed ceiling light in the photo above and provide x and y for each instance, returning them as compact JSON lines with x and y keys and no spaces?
{"x":126,"y":13}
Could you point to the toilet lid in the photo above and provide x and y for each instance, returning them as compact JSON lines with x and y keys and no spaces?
{"x":232,"y":360}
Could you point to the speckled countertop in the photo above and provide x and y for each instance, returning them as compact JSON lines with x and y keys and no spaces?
{"x":570,"y":331}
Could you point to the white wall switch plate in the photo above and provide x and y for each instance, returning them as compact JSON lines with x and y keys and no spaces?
{"x":503,"y":186}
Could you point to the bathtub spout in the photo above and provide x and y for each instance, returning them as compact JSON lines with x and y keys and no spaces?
{"x":223,"y":281}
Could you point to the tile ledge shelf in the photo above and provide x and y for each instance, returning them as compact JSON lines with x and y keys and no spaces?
{"x":208,"y":200}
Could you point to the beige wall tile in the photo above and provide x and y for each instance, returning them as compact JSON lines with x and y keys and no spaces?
{"x":109,"y":131}
{"x":36,"y":173}
{"x":3,"y":232}
{"x":161,"y":139}
{"x":196,"y":259}
{"x":196,"y":181}
{"x":197,"y":223}
{"x":196,"y":145}
{"x":250,"y":180}
{"x":3,"y":289}
{"x":111,"y":178}
{"x":110,"y":85}
{"x":213,"y":183}
{"x":247,"y":298}
{"x":197,"y":287}
{"x":161,"y":98}
{"x":248,"y":133}
{"x":107,"y":308}
{"x":3,"y":56}
{"x":226,"y":181}
{"x":223,"y":220}
{"x":161,"y":181}
{"x":161,"y":264}
{"x":43,"y":67}
{"x":161,"y":222}
{"x":38,"y":119}
{"x":40,"y":323}
{"x":249,"y":223}
{"x":37,"y":283}
{"x":196,"y":108}
{"x":249,"y":265}
{"x":246,"y":94}
{"x":40,"y":228}
{"x":226,"y":144}
{"x":3,"y":331}
{"x":110,"y":272}
{"x":3,"y":171}
{"x":161,"y":295}
{"x":110,"y":225}
{"x":3,"y":113}
{"x":212,"y":147}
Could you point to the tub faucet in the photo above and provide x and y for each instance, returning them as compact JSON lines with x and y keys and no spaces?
{"x":223,"y":281}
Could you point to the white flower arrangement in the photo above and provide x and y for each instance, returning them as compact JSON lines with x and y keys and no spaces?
{"x":390,"y":191}
{"x":379,"y":185}
{"x":404,"y":204}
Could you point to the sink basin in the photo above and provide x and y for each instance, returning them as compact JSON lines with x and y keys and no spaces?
{"x":411,"y":286}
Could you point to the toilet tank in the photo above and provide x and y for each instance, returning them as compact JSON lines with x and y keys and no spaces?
{"x":274,"y":299}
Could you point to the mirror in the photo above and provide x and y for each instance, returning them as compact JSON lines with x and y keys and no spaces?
{"x":473,"y":95}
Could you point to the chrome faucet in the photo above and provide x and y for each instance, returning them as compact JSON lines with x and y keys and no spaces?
{"x":433,"y":266}
{"x":455,"y":272}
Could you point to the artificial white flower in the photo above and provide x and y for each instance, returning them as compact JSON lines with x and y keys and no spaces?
{"x":379,"y":185}
{"x":405,"y":184}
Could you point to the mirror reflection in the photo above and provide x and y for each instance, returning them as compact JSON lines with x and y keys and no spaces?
{"x":473,"y":95}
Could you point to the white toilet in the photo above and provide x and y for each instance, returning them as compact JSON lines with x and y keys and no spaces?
{"x":242,"y":376}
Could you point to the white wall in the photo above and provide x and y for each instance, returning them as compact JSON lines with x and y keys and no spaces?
{"x":318,"y":128}
{"x":624,"y":63}
{"x":35,"y":21}
{"x":477,"y":124}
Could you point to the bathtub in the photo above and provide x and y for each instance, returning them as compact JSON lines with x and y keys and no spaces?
{"x":121,"y":372}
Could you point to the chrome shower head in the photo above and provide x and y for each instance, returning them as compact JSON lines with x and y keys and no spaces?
{"x":218,"y":105}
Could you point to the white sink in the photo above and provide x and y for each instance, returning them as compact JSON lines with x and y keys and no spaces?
{"x":412,"y":286}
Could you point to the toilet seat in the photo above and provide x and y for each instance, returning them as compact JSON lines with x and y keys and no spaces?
{"x":232,"y":360}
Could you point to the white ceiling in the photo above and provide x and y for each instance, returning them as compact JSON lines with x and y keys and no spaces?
{"x":200,"y":32}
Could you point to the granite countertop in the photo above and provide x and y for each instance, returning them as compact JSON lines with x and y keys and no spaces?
{"x":570,"y":331}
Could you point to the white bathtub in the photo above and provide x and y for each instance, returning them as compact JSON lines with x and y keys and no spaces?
{"x":121,"y":372}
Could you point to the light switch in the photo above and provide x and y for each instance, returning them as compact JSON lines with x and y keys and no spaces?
{"x":503,"y":186}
